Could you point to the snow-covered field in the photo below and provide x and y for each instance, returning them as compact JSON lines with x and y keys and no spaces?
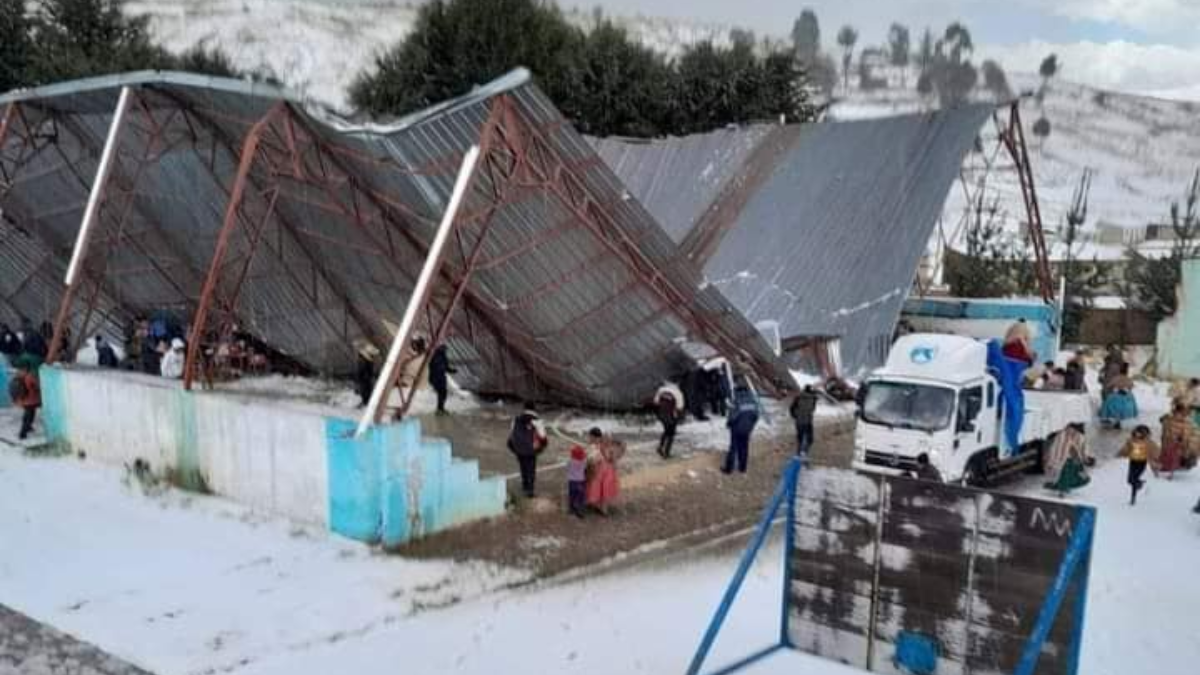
{"x":183,"y":584}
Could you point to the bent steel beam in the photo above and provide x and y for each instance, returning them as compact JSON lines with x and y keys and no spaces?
{"x":232,"y":211}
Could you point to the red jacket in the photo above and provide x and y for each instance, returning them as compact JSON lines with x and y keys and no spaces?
{"x":33,"y":393}
{"x":1018,"y":351}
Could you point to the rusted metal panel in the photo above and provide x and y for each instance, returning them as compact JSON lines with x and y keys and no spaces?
{"x":878,"y":557}
{"x":584,"y":298}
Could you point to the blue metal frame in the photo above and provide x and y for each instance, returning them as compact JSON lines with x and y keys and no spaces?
{"x":1073,"y":569}
{"x":1077,"y":552}
{"x":786,"y":488}
{"x":789,"y":542}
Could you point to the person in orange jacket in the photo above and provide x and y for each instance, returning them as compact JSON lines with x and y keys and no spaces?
{"x":1141,"y":452}
{"x":26,"y":393}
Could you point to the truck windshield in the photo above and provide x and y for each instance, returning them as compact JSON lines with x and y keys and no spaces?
{"x":909,"y":406}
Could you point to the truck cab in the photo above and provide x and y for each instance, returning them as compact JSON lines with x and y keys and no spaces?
{"x":934,"y":397}
{"x":937,"y":397}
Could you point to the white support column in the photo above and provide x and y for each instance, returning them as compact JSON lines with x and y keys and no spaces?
{"x":98,"y":185}
{"x":433,"y":262}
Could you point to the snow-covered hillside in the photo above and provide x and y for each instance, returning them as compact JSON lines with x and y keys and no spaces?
{"x":1143,"y":151}
{"x":317,"y":47}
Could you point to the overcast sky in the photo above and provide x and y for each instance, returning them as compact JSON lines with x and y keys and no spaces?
{"x":1145,"y":46}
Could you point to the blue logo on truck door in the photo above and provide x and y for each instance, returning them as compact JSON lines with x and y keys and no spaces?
{"x":922,"y":355}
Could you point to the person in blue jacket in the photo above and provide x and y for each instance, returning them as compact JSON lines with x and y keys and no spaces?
{"x":743,"y":416}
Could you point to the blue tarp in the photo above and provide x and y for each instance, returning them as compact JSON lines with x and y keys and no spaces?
{"x":1010,"y":373}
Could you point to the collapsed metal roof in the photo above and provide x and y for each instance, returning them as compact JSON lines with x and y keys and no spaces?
{"x":818,"y":227}
{"x":242,"y":208}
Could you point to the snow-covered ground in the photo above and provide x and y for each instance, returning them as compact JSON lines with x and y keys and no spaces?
{"x":182,"y":584}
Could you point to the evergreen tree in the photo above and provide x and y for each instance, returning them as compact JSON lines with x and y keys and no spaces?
{"x":996,"y":81}
{"x":847,"y":38}
{"x":625,"y":83}
{"x":82,"y":38}
{"x":1152,"y":283}
{"x":899,"y":48}
{"x":14,"y":45}
{"x":806,"y":37}
{"x":602,"y":80}
{"x":925,"y":58}
{"x":952,"y":75}
{"x":457,"y":44}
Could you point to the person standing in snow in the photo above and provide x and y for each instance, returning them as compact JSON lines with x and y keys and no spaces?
{"x":32,"y":343}
{"x":174,"y":360}
{"x":1065,"y":461}
{"x":1141,"y":452}
{"x":695,"y":391}
{"x":106,"y":356}
{"x":1178,"y":438}
{"x":1119,"y":403}
{"x":26,"y":393}
{"x":717,"y":388}
{"x":577,"y":481}
{"x":1075,"y":378}
{"x":603,"y":485}
{"x":364,"y":373}
{"x":10,"y":344}
{"x":439,"y":372}
{"x":526,"y":440}
{"x":927,"y":471}
{"x":1193,"y":399}
{"x":804,"y":405}
{"x":669,"y":407}
{"x":742,"y":419}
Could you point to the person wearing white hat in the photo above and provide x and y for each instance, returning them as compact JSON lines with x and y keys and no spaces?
{"x":173,"y":360}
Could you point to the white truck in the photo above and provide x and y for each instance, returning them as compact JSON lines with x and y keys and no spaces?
{"x":937,"y":397}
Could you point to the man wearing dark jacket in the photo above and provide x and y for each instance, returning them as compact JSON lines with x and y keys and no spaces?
{"x":439,"y":369}
{"x":743,"y":417}
{"x":526,"y":440}
{"x":10,"y":344}
{"x":33,"y":343}
{"x":803,"y":407}
{"x":106,"y":356}
{"x":1075,"y":379}
{"x":364,"y":374}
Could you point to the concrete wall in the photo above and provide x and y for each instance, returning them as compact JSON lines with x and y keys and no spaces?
{"x":275,"y":456}
{"x":1179,"y":335}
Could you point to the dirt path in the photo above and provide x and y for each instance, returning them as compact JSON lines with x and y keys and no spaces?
{"x":679,"y":502}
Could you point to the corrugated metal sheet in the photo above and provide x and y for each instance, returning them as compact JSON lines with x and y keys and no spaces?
{"x":829,"y":241}
{"x":593,"y":310}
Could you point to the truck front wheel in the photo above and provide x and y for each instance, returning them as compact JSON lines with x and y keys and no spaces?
{"x":975,"y":474}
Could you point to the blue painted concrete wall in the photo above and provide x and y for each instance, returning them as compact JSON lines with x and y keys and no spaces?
{"x":54,"y":404}
{"x":392,"y":485}
{"x":1179,"y":335}
{"x":5,"y":376}
{"x":968,"y":310}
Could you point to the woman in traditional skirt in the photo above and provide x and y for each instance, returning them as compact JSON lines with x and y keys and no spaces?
{"x":1119,"y":402}
{"x":1178,"y":438}
{"x":1066,"y":459}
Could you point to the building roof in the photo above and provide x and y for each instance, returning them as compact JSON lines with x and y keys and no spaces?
{"x":575,"y":293}
{"x":819,"y":227}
